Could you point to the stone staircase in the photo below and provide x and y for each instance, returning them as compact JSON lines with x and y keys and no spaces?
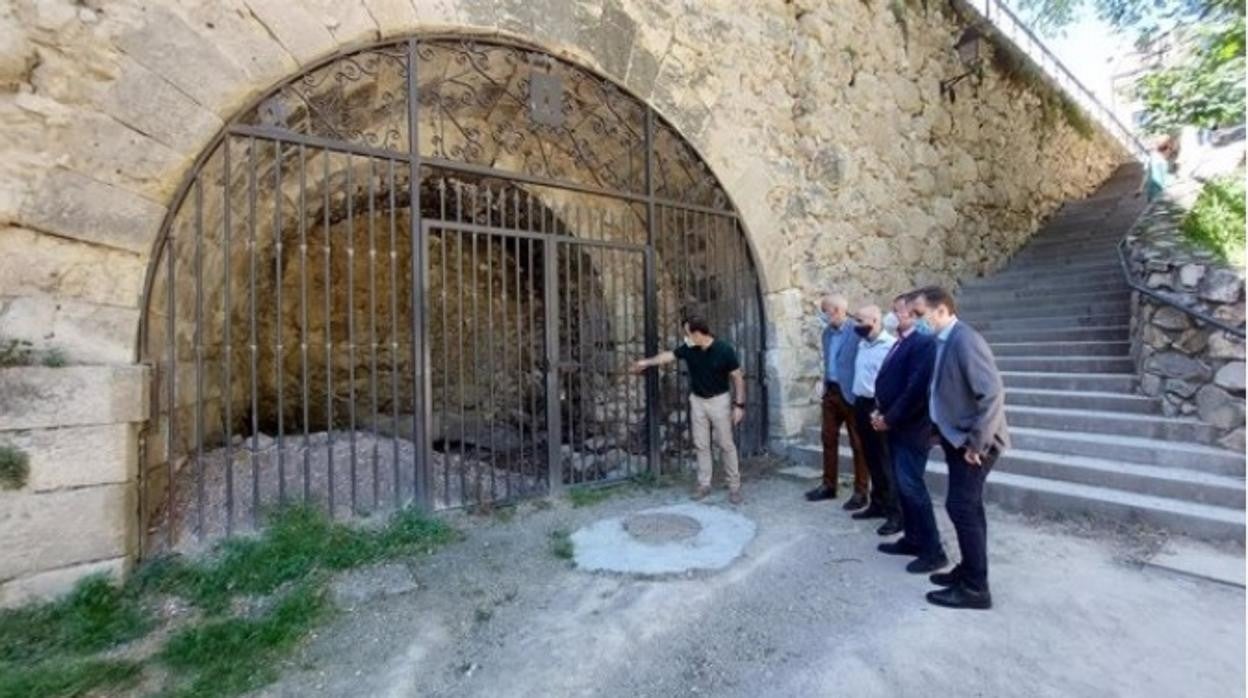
{"x":1085,"y":442}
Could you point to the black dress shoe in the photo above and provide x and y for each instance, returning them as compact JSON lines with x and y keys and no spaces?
{"x":958,"y":596}
{"x":947,"y":579}
{"x":930,"y":563}
{"x":820,"y":493}
{"x":898,"y":547}
{"x":871,"y":512}
{"x":857,"y":501}
{"x":890,"y":527}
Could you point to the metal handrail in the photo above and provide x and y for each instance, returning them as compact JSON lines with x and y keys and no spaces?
{"x":1137,"y":285}
{"x":997,"y":14}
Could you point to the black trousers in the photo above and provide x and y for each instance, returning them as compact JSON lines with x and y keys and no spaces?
{"x":875,"y":450}
{"x":965,"y":503}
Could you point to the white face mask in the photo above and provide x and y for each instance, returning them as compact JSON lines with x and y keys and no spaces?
{"x":688,"y":341}
{"x":890,"y":322}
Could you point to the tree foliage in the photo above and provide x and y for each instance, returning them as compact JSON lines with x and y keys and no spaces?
{"x":1205,"y":86}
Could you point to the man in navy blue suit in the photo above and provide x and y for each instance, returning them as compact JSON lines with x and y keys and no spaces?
{"x":902,"y":414}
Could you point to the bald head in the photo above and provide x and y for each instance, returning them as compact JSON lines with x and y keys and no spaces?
{"x":869,"y":316}
{"x":835,"y":307}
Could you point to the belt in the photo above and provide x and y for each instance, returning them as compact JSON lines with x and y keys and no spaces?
{"x":710,"y":397}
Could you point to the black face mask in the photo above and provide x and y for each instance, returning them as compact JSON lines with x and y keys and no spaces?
{"x":863,"y":331}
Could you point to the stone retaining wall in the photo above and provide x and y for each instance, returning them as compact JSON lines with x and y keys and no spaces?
{"x":1196,"y":369}
{"x":75,"y":513}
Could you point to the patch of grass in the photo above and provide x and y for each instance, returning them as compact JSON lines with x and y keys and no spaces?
{"x":51,"y":650}
{"x":1216,"y":221}
{"x":561,"y":544}
{"x":96,"y":616}
{"x":235,"y":655}
{"x":66,"y":678}
{"x":44,"y":647}
{"x":300,"y":542}
{"x":588,"y":496}
{"x":14,"y":467}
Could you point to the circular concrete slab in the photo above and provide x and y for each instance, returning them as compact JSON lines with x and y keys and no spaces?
{"x":661,"y":527}
{"x":665,"y":540}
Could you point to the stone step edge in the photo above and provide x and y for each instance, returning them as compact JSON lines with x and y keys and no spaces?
{"x":1153,"y":472}
{"x":1213,"y":512}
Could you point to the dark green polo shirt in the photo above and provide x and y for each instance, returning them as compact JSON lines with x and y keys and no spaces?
{"x":709,"y":367}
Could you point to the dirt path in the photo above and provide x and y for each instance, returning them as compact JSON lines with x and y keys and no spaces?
{"x":810,"y":610}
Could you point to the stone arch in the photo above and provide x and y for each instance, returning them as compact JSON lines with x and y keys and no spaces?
{"x":353,"y":133}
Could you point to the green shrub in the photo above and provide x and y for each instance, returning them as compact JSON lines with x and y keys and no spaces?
{"x":1216,"y":221}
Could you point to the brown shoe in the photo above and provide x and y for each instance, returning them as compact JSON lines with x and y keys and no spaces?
{"x":734,"y":496}
{"x":699,"y":493}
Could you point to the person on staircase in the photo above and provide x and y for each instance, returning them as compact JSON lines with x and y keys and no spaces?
{"x":839,"y":351}
{"x":901,"y":417}
{"x":715,"y":376}
{"x":875,"y":343}
{"x":967,"y":408}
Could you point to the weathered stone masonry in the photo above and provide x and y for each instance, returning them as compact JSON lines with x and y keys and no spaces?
{"x":822,"y":119}
{"x":1196,"y":369}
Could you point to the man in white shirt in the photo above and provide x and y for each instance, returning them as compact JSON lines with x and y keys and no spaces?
{"x":873,"y":346}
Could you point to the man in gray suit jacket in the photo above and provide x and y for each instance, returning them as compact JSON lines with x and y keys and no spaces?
{"x":967,"y":406}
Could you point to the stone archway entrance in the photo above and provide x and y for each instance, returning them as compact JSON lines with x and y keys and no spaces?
{"x":417,"y":273}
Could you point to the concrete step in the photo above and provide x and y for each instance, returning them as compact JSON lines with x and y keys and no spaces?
{"x":1123,"y":449}
{"x":1088,"y":248}
{"x":1056,"y":238}
{"x":1175,"y":483}
{"x":1068,"y":348}
{"x":1082,"y":400}
{"x":1109,"y":422}
{"x":1060,"y":272}
{"x":1085,"y":382}
{"x":1022,"y":311}
{"x":1067,"y":364}
{"x":991,"y":286}
{"x":1053,"y":322}
{"x":1020,"y":483}
{"x":1130,"y":449}
{"x":1037,"y":495}
{"x":1057,"y":261}
{"x":1056,"y":301}
{"x":1113,"y":333}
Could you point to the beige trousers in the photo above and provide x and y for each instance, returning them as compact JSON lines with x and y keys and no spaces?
{"x":714,"y":415}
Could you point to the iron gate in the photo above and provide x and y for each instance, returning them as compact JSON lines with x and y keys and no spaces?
{"x":418,"y":273}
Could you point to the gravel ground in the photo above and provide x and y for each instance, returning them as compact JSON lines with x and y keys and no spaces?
{"x":809,"y":610}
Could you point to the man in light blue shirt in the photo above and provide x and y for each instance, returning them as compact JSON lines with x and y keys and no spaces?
{"x":873,"y":347}
{"x":839,"y":350}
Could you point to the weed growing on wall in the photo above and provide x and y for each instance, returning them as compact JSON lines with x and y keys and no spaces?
{"x":1216,"y":221}
{"x":14,"y":467}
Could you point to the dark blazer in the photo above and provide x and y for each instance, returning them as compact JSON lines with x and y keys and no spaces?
{"x":901,"y":389}
{"x":969,"y":396}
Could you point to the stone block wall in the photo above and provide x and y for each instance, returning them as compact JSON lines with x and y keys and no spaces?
{"x":1196,"y":369}
{"x":75,"y":512}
